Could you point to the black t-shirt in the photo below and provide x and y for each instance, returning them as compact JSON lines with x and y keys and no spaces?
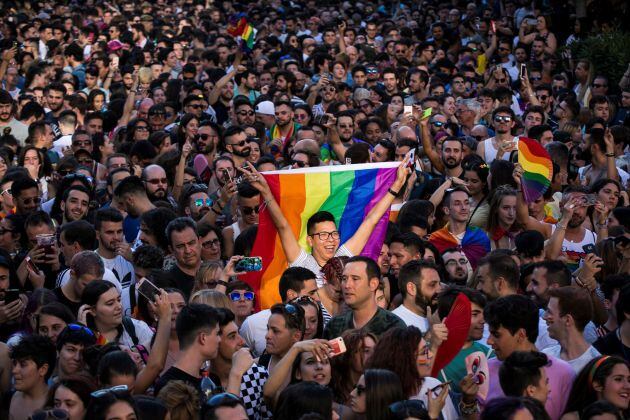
{"x":176,"y":374}
{"x":73,"y":306}
{"x":180,"y":280}
{"x":611,"y":345}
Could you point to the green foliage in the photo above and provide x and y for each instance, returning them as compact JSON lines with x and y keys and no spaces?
{"x":609,"y":53}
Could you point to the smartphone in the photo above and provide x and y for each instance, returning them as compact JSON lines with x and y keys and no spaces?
{"x":493,"y":26}
{"x":226,"y":176}
{"x":11,"y":295}
{"x":116,"y":61}
{"x":531,"y":21}
{"x":249,"y":264}
{"x":523,"y":71}
{"x":324,"y":119}
{"x":590,"y":200}
{"x":147,"y":289}
{"x":407,"y":109}
{"x":338,"y":346}
{"x":427,"y":113}
{"x":589,"y":249}
{"x":31,"y":264}
{"x":412,"y":158}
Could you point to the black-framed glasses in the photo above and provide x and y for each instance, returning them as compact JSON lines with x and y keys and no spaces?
{"x":407,"y":408}
{"x":299,"y":163}
{"x":142,"y":128}
{"x":249,"y":210}
{"x":31,"y":200}
{"x":55,"y":413}
{"x":79,"y":327}
{"x":324,"y":236}
{"x":200,"y":202}
{"x":246,"y":113}
{"x":82,"y":143}
{"x":236,"y":296}
{"x":195,"y":106}
{"x":240,"y":143}
{"x":117,"y":391}
{"x":211,"y":244}
{"x":225,"y":398}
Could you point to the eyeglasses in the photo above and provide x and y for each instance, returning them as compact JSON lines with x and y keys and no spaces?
{"x":31,"y":200}
{"x":236,"y":296}
{"x":5,"y":230}
{"x":85,"y":161}
{"x":7,"y":191}
{"x":299,"y":163}
{"x":480,"y":138}
{"x":117,"y":391}
{"x":372,"y":71}
{"x":240,"y":143}
{"x":438,"y":123}
{"x":206,"y":136}
{"x":503,"y":49}
{"x":84,"y":143}
{"x":244,"y":113}
{"x":461,"y":261}
{"x":597,"y":85}
{"x":329,"y":89}
{"x":142,"y":128}
{"x":360,"y":389}
{"x":64,"y":172}
{"x":502,"y":118}
{"x":200,"y":202}
{"x":535,"y":78}
{"x":405,"y":409}
{"x":225,"y":398}
{"x":458,"y":82}
{"x":157,"y":181}
{"x":73,"y":177}
{"x":210,"y":244}
{"x":324,"y":236}
{"x":78,"y":327}
{"x":195,"y":106}
{"x":55,"y":413}
{"x":249,"y":210}
{"x":543,"y":97}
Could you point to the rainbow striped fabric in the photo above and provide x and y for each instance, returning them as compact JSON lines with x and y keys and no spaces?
{"x":537,"y":167}
{"x":239,"y":27}
{"x":349,"y":192}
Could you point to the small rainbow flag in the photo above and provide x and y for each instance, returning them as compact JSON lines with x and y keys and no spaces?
{"x":239,"y":27}
{"x":537,"y":168}
{"x":349,"y":192}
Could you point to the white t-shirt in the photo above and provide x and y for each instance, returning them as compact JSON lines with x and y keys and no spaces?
{"x":64,"y":277}
{"x":254,"y":329}
{"x":412,"y":318}
{"x":123,"y":269}
{"x":578,"y":363}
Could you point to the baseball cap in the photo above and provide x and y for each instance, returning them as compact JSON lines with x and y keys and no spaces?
{"x":266,"y":108}
{"x":361,"y":94}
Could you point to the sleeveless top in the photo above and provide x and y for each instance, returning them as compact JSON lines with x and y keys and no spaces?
{"x":489,"y":151}
{"x":236,"y":229}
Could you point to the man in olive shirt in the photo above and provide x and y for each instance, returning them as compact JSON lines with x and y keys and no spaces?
{"x":361,"y":277}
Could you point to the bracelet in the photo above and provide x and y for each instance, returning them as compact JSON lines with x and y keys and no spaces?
{"x":602,"y":225}
{"x":394,"y":193}
{"x":559,"y":226}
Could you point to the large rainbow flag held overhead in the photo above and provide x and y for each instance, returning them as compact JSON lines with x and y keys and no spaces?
{"x":349,"y":192}
{"x":537,"y":167}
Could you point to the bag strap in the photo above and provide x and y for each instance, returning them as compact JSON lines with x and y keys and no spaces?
{"x":131,"y":329}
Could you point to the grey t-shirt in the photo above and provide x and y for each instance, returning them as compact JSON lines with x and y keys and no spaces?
{"x":306,"y":260}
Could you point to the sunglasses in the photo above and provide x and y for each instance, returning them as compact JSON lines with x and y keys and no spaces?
{"x":437,"y":123}
{"x":236,"y":296}
{"x":329,"y":89}
{"x":372,"y":71}
{"x":211,"y":244}
{"x":299,"y":163}
{"x":196,"y":106}
{"x":205,"y":136}
{"x":117,"y":391}
{"x":535,"y":78}
{"x":200,"y":202}
{"x":157,"y":181}
{"x":502,"y":118}
{"x":240,"y":143}
{"x":249,"y":210}
{"x":225,"y":398}
{"x":244,"y":113}
{"x":543,"y":97}
{"x":7,"y":191}
{"x":55,"y":413}
{"x":597,"y":85}
{"x":404,"y":409}
{"x":142,"y":128}
{"x":33,"y":200}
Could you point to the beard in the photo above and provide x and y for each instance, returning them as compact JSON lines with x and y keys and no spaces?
{"x":422,"y":302}
{"x":451,"y":163}
{"x":245,"y":152}
{"x":576,"y":221}
{"x":159,"y":194}
{"x":209,"y":148}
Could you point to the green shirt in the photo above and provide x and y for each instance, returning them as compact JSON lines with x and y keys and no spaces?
{"x":381,"y":321}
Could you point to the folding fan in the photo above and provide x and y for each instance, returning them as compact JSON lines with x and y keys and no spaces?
{"x":458,"y":324}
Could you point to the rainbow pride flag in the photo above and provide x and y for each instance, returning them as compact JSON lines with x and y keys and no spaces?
{"x":537,"y":167}
{"x":349,"y":192}
{"x":239,"y":27}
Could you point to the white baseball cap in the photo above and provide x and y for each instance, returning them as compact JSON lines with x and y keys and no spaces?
{"x":266,"y":108}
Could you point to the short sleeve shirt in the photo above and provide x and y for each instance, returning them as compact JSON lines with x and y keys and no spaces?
{"x":306,"y":260}
{"x":382,"y":321}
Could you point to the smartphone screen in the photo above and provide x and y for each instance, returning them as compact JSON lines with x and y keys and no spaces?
{"x":523,"y":70}
{"x":147,"y":289}
{"x":407,"y":109}
{"x":249,"y":264}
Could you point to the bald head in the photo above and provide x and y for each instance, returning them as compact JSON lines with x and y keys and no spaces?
{"x":308,"y":145}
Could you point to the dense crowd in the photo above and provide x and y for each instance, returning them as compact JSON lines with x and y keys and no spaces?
{"x":134,"y":139}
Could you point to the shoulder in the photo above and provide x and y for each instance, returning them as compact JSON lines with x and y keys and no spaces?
{"x":560,"y":367}
{"x":389,"y":318}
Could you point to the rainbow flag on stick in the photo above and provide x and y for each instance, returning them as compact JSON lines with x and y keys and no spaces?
{"x":349,"y":192}
{"x":238,"y":27}
{"x":537,"y":167}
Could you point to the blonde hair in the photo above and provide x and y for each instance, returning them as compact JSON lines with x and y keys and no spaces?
{"x":181,"y":399}
{"x":212,"y":298}
{"x":207,"y":269}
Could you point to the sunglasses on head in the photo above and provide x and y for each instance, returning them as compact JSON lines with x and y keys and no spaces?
{"x":249,"y":210}
{"x":225,"y":398}
{"x":117,"y":391}
{"x":55,"y":413}
{"x":236,"y":296}
{"x":78,"y":327}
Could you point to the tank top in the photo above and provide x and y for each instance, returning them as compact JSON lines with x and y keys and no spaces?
{"x":575,"y":250}
{"x":236,"y":229}
{"x":489,"y":151}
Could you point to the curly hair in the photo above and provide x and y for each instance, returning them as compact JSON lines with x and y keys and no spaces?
{"x":396,"y":351}
{"x":181,"y":399}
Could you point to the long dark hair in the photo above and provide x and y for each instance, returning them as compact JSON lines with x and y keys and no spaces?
{"x":341,"y":366}
{"x":98,"y":407}
{"x":382,"y":388}
{"x":45,"y":167}
{"x":302,"y":398}
{"x":596,"y":371}
{"x":91,"y":295}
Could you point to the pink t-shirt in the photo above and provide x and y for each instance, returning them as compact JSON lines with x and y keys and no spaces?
{"x":560,"y":374}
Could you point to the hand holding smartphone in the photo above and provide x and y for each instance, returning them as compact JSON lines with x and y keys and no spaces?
{"x":147,"y":289}
{"x":337,"y":346}
{"x":248,"y":264}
